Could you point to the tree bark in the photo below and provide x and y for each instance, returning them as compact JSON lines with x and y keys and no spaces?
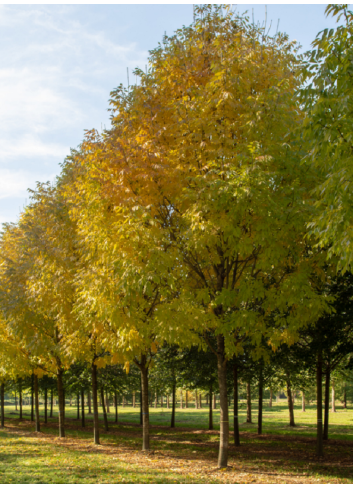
{"x":271,"y":398}
{"x":290,"y":402}
{"x":89,"y":402}
{"x":303,"y":401}
{"x":32,"y":397}
{"x":145,"y":406}
{"x":20,"y":398}
{"x":78,"y":406}
{"x":333,"y":407}
{"x":106,"y":427}
{"x":319,"y":441}
{"x":95,"y":404}
{"x":326,"y":403}
{"x":196,"y":400}
{"x":36,"y":400}
{"x":83,"y":422}
{"x":181,"y":399}
{"x":214,"y":401}
{"x":236,"y":410}
{"x":2,"y":404}
{"x":116,"y":406}
{"x":248,"y":403}
{"x":45,"y":405}
{"x":259,"y":420}
{"x":210,"y":412}
{"x":224,"y":418}
{"x":51,"y":403}
{"x":16,"y":402}
{"x":61,"y":396}
{"x":200,"y":402}
{"x":172,"y":422}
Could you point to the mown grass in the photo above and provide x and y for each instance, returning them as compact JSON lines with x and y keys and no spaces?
{"x":186,"y":454}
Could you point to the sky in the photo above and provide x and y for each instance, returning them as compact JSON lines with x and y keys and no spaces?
{"x":60,"y":62}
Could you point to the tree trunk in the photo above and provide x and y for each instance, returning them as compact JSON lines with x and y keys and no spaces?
{"x":303,"y":401}
{"x":155,"y":399}
{"x":271,"y":398}
{"x":134,"y":399}
{"x":196,"y":400}
{"x":61,"y":396}
{"x":345,"y":396}
{"x":32,"y":397}
{"x":248,"y":403}
{"x":210,"y":413}
{"x":107,"y":407}
{"x":326,"y":403}
{"x":70,"y":401}
{"x":89,"y":402}
{"x":78,"y":406}
{"x":161,"y":400}
{"x":214,"y":401}
{"x":236,"y":419}
{"x":16,"y":402}
{"x":224,"y":418}
{"x":168,"y":401}
{"x":181,"y":399}
{"x":2,"y":403}
{"x":172,"y":422}
{"x":106,"y":427}
{"x":319,"y":445}
{"x":95,"y":404}
{"x":333,"y":406}
{"x":259,"y":420}
{"x":51,"y":403}
{"x":116,"y":406}
{"x":20,"y":398}
{"x":36,"y":398}
{"x":45,"y":405}
{"x":290,"y":402}
{"x":200,"y":401}
{"x":83,"y":422}
{"x":145,"y":406}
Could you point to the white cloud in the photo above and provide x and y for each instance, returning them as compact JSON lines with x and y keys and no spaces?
{"x":15,"y":183}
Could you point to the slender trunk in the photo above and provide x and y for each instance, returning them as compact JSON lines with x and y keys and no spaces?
{"x":259,"y":421}
{"x":89,"y":402}
{"x":224,"y":418}
{"x":2,"y":402}
{"x":172,"y":422}
{"x":16,"y":402}
{"x":116,"y":406}
{"x":78,"y":406}
{"x":290,"y":402}
{"x":145,"y":406}
{"x":236,"y":419}
{"x":61,"y":396}
{"x":248,"y":403}
{"x":107,"y":402}
{"x":83,"y":422}
{"x":51,"y":403}
{"x":32,"y":397}
{"x":200,"y":401}
{"x":271,"y":398}
{"x":196,"y":400}
{"x":319,"y":446}
{"x":106,"y":427}
{"x":181,"y":399}
{"x":168,"y":401}
{"x":36,"y":398}
{"x":95,"y":404}
{"x":214,"y":401}
{"x":326,"y":403}
{"x":155,"y":399}
{"x":70,"y":401}
{"x":345,"y":396}
{"x":161,"y":400}
{"x":210,"y":412}
{"x":303,"y":401}
{"x":20,"y":397}
{"x":333,"y":407}
{"x":134,"y":399}
{"x":45,"y":405}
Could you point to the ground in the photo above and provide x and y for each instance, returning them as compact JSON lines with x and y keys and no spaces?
{"x":185,"y":454}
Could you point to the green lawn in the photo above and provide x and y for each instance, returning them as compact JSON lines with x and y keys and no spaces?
{"x":186,"y":454}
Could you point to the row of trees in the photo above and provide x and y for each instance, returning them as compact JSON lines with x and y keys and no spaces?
{"x":184,"y":226}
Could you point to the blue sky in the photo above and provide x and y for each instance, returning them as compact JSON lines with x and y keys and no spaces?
{"x":59,"y":63}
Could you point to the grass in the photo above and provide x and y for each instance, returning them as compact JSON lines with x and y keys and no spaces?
{"x":186,"y":454}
